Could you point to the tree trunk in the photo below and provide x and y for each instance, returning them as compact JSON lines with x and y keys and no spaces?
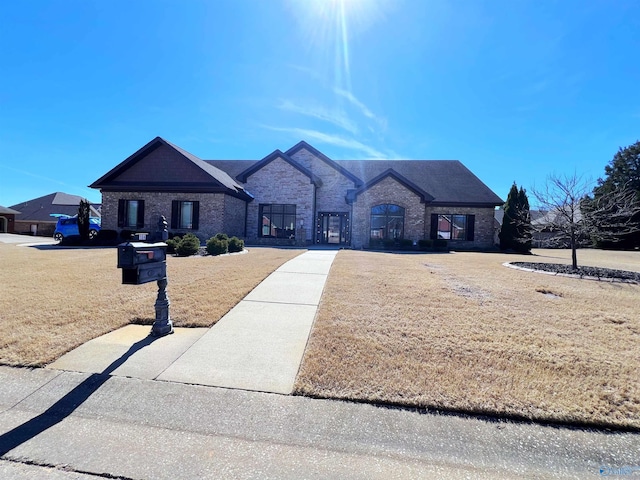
{"x":574,"y":255}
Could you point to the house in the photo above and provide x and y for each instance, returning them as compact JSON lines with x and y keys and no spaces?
{"x":35,"y":215}
{"x":298,"y":197}
{"x":7,"y":219}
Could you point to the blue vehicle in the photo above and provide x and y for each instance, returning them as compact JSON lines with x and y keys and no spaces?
{"x":68,"y":226}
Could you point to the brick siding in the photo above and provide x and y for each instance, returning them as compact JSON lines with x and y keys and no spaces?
{"x":390,"y":191}
{"x":219,"y":213}
{"x":484,"y":226}
{"x":279,"y":182}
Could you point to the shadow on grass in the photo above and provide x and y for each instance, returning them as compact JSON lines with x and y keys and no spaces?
{"x":64,"y":407}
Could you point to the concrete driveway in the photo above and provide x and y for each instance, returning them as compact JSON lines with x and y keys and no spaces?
{"x":26,"y":239}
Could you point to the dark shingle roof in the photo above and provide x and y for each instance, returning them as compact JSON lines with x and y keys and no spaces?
{"x":447,"y":181}
{"x":182,"y":171}
{"x":442,"y":182}
{"x":40,"y":209}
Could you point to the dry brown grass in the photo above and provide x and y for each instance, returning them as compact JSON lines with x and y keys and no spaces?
{"x":52,"y":300}
{"x":461,"y":332}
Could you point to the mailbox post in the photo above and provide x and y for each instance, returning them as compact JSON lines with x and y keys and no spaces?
{"x":144,"y":263}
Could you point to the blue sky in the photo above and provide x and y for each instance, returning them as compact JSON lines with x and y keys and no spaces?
{"x":514,"y":89}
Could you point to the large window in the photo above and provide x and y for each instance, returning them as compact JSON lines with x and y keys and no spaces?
{"x":131,"y":213}
{"x":452,"y":227}
{"x":185,"y":214}
{"x":387,"y":222}
{"x":277,"y":220}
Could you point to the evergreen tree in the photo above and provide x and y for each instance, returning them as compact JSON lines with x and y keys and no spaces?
{"x":516,"y":232}
{"x":622,"y":172}
{"x":508,"y":229}
{"x":618,"y":224}
{"x":524,"y":230}
{"x":83,"y":219}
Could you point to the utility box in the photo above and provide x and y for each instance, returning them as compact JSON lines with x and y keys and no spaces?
{"x":142,"y":262}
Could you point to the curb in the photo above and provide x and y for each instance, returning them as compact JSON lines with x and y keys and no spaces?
{"x":571,"y":275}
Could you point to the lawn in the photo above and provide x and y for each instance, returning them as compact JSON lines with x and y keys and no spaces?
{"x":456,"y":332}
{"x":54,"y":299}
{"x":461,"y":332}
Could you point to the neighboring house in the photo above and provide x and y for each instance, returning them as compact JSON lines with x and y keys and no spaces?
{"x":298,"y":197}
{"x":550,"y":228}
{"x":539,"y":237}
{"x":35,"y":215}
{"x":7,"y":219}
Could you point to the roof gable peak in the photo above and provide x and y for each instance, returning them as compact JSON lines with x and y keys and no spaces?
{"x":302,"y":145}
{"x":390,"y":172}
{"x":243,"y":176}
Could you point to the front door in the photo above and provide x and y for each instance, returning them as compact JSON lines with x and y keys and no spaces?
{"x":333,"y":228}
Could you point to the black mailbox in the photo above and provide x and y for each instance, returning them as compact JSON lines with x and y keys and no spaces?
{"x":142,"y":262}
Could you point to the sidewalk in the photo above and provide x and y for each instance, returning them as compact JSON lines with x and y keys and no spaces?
{"x":117,"y":427}
{"x":257,"y":346}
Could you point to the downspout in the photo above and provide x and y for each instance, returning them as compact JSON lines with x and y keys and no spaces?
{"x":314,"y":218}
{"x":246,"y":217}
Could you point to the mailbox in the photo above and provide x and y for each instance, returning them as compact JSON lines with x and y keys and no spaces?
{"x":142,"y":262}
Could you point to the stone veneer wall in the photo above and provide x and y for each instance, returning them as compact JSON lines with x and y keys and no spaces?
{"x":214,"y":208}
{"x":279,"y":182}
{"x":483,"y":231}
{"x":387,"y":191}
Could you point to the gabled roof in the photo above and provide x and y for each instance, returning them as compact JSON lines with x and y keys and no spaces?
{"x":302,"y":145}
{"x":449,"y":182}
{"x":390,"y":173}
{"x":40,"y":209}
{"x":244,"y":175}
{"x":181,"y":171}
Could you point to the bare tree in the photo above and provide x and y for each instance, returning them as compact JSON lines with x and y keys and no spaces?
{"x":571,"y":213}
{"x":560,"y":199}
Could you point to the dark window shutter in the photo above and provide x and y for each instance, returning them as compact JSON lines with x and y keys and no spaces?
{"x":140,"y":222}
{"x":121,"y":212}
{"x":196,"y":215}
{"x":434,"y":226}
{"x":471,"y":227}
{"x":175,"y":208}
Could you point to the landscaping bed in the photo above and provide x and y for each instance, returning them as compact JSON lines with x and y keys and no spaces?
{"x":582,"y":271}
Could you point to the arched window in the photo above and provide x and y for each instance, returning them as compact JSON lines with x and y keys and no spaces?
{"x":387,"y":222}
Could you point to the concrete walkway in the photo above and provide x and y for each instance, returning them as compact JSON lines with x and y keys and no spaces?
{"x":257,"y":346}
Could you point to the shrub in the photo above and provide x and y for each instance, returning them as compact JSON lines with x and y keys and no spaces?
{"x":440,"y":244}
{"x":375,"y":243}
{"x":388,"y":243}
{"x":126,"y":235}
{"x":222,"y":236}
{"x":236,"y":245}
{"x":188,"y":245}
{"x":406,"y":244}
{"x":172,"y":244}
{"x":72,"y":241}
{"x":425,"y":244}
{"x":217,"y":246}
{"x":106,"y":238}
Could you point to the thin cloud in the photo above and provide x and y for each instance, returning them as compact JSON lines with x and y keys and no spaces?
{"x":351,"y":98}
{"x":335,"y":117}
{"x":335,"y":140}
